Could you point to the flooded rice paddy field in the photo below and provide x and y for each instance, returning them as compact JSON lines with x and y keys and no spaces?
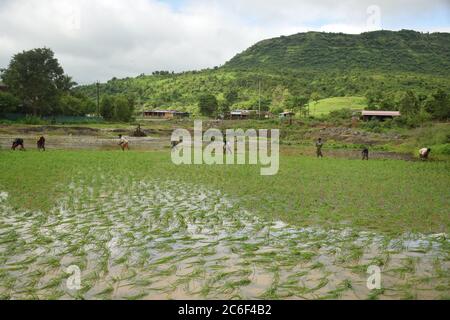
{"x":159,"y":239}
{"x":101,"y":142}
{"x":84,"y":142}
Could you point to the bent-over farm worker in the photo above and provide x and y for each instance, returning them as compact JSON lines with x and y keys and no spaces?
{"x":16,"y":143}
{"x":123,"y":143}
{"x":41,"y":144}
{"x":424,"y":153}
{"x":174,"y":143}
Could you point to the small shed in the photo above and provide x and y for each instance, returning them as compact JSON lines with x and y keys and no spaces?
{"x":287,"y":115}
{"x":166,"y":114}
{"x":3,"y":87}
{"x":380,"y":115}
{"x":249,"y":114}
{"x":240,"y":114}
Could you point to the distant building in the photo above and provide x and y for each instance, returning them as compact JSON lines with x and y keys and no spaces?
{"x":248,"y":114}
{"x":166,"y":114}
{"x":3,"y":87}
{"x":286,"y":114}
{"x":380,"y":115}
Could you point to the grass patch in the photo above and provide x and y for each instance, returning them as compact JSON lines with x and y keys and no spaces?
{"x":325,"y":106}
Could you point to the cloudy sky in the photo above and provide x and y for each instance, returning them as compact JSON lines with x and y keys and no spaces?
{"x":100,"y":39}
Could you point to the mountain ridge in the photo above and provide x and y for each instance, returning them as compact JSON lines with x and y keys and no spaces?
{"x":405,"y":50}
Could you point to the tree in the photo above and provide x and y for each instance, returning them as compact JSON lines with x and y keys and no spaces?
{"x":36,"y":78}
{"x":123,"y":108}
{"x":231,"y":97}
{"x":118,"y":108}
{"x":374,"y":98}
{"x":8,"y":103}
{"x":70,"y":106}
{"x":67,"y":83}
{"x":315,"y":97}
{"x":298,"y":103}
{"x":223,"y":108}
{"x":438,"y":105}
{"x":74,"y":105}
{"x":409,"y":104}
{"x":208,"y":105}
{"x":107,"y":108}
{"x":280,"y":98}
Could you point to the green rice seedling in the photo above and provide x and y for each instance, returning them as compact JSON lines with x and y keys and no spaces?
{"x":408,"y":267}
{"x":270,"y":294}
{"x":376,"y":293}
{"x":141,"y":282}
{"x":340,"y":289}
{"x":166,"y":272}
{"x":379,"y":261}
{"x":317,"y":265}
{"x":105,"y":293}
{"x":54,"y":295}
{"x":290,"y":283}
{"x":5,"y":296}
{"x":322,"y":283}
{"x":123,"y":259}
{"x":138,"y":296}
{"x":53,"y":283}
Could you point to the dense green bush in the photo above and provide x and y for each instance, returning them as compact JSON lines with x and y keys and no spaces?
{"x":8,"y":103}
{"x":119,"y":108}
{"x":34,"y":120}
{"x":208,"y":105}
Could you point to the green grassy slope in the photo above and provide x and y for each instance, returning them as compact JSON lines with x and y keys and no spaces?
{"x":325,"y":106}
{"x":387,"y":51}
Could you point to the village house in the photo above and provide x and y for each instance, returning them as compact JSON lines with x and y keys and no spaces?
{"x":287,"y":115}
{"x":248,"y":114}
{"x":3,"y":87}
{"x":166,"y":114}
{"x":379,"y":115}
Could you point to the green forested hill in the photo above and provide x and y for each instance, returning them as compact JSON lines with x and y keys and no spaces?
{"x":319,"y":64}
{"x":387,"y":51}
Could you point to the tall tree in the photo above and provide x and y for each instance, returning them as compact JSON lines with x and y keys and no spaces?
{"x":298,"y":103}
{"x":8,"y":102}
{"x":409,"y":104}
{"x":208,"y":105}
{"x":107,"y":108}
{"x":37,"y":78}
{"x":123,"y":108}
{"x":438,"y":105}
{"x":231,"y":97}
{"x":315,"y":96}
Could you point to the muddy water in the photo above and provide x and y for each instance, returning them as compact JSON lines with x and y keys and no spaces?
{"x":166,"y":240}
{"x":86,"y":142}
{"x":74,"y":142}
{"x":350,"y":154}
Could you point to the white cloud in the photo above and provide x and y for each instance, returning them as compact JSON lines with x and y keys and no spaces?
{"x":99,"y":39}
